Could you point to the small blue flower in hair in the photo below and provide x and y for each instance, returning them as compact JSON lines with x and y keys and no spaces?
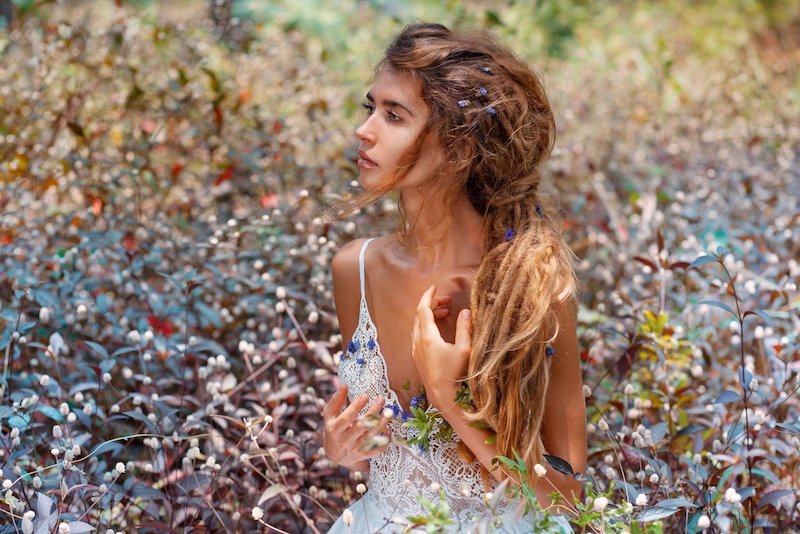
{"x":539,"y":211}
{"x":491,"y":111}
{"x":486,"y":70}
{"x":550,"y":351}
{"x":463,"y":103}
{"x":509,"y":234}
{"x":482,"y":91}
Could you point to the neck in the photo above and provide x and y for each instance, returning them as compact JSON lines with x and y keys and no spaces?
{"x":441,"y":235}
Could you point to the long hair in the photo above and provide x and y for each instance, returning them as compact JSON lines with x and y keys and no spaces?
{"x":495,"y":124}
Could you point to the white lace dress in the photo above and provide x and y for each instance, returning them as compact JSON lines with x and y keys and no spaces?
{"x":401,"y":474}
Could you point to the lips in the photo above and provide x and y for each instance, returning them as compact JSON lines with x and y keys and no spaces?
{"x":364,"y":162}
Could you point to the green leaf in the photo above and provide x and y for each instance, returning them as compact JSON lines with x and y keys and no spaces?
{"x":98,"y":348}
{"x":761,"y":313}
{"x":50,"y":412}
{"x":720,"y":305}
{"x":19,"y":421}
{"x":560,"y":465}
{"x":523,"y":469}
{"x":772,"y":497}
{"x":722,"y":252}
{"x":509,"y":462}
{"x":745,"y":377}
{"x":655,"y":513}
{"x":702,"y":260}
{"x":690,"y":429}
{"x":726,"y":397}
{"x":676,"y":503}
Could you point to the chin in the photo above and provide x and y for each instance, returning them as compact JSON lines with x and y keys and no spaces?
{"x":370,"y":183}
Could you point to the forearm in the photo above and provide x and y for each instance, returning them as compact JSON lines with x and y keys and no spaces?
{"x":476,"y":438}
{"x":361,"y":467}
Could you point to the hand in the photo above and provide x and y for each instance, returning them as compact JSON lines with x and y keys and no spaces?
{"x":346,"y":435}
{"x":441,"y":365}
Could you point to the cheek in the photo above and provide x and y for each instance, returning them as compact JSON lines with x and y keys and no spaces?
{"x":431,"y":156}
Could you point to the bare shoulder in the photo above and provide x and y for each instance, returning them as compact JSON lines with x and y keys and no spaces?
{"x":346,"y":287}
{"x":346,"y":259}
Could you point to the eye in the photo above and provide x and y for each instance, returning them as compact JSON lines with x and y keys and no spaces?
{"x":393,"y":117}
{"x":368,"y":108}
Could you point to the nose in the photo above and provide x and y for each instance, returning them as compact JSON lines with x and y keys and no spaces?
{"x":364,"y":132}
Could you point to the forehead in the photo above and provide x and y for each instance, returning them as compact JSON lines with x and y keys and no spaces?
{"x":398,"y":86}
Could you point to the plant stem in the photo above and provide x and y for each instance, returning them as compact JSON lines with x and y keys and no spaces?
{"x":745,"y":394}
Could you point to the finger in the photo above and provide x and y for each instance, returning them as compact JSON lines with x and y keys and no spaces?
{"x":438,"y":301}
{"x":414,"y":334}
{"x":371,"y":442}
{"x":334,"y":405}
{"x":350,"y":414}
{"x":462,"y":331}
{"x":373,"y":413}
{"x":367,"y":422}
{"x":374,"y":445}
{"x":426,"y":298}
{"x":427,"y":326}
{"x":386,"y":417}
{"x":440,"y":313}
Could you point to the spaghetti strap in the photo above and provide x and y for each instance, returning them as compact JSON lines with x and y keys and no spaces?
{"x":361,"y":266}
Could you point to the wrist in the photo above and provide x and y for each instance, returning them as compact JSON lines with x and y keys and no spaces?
{"x":361,"y":466}
{"x":442,"y":397}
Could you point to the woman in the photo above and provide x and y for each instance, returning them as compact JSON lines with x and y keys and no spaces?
{"x":476,"y":285}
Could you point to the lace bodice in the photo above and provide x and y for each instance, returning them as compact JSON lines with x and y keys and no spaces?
{"x":402,"y":473}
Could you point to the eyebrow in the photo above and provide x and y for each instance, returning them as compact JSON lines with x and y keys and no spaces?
{"x":391,"y":104}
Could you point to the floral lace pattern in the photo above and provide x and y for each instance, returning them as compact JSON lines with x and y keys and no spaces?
{"x":401,"y":473}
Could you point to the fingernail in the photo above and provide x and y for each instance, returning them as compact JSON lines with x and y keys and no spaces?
{"x":465,"y":314}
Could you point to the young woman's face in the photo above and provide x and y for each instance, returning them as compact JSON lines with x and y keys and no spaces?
{"x":396,"y":115}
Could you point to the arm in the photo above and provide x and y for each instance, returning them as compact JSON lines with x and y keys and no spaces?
{"x":564,"y":427}
{"x":342,"y":433}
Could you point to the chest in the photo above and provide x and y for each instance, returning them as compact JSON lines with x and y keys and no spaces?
{"x":392,"y":306}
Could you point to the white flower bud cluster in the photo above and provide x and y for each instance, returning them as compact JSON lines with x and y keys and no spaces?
{"x":540,"y":470}
{"x":134,"y":337}
{"x":347,"y":518}
{"x":247,"y":348}
{"x":27,"y":522}
{"x":732,"y":496}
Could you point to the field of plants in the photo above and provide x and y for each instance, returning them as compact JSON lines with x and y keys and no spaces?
{"x":167,"y":328}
